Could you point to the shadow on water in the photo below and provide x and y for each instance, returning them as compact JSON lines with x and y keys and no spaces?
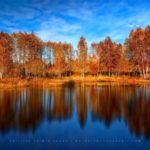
{"x":25,"y":109}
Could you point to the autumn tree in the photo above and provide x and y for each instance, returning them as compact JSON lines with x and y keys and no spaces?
{"x":59,"y":58}
{"x":5,"y":53}
{"x":93,"y":64}
{"x":82,"y":46}
{"x":24,"y":54}
{"x":108,"y":55}
{"x":124,"y":66}
{"x":76,"y":66}
{"x":117,"y":55}
{"x":50,"y":52}
{"x":20,"y":50}
{"x":98,"y":49}
{"x":147,"y":47}
{"x":35,"y":47}
{"x":19,"y":53}
{"x":27,"y":48}
{"x":137,"y":52}
{"x":36,"y":68}
{"x":60,"y":55}
{"x":67,"y":48}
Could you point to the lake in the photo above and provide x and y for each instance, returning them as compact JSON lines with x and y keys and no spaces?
{"x":75,"y":116}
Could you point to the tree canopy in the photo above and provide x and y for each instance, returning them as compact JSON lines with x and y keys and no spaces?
{"x":25,"y":54}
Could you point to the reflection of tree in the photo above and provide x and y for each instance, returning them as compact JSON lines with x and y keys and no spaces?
{"x":24,"y":109}
{"x":81,"y":104}
{"x":137,"y":113}
{"x":105,"y":104}
{"x":7,"y":110}
{"x":31,"y":111}
{"x":61,"y":103}
{"x":132,"y":103}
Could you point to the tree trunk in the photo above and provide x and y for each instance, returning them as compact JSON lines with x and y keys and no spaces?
{"x":1,"y":75}
{"x":109,"y":73}
{"x":60,"y":75}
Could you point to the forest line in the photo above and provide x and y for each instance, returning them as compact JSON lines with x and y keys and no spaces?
{"x":26,"y":55}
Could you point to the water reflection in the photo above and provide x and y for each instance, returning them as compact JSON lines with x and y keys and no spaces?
{"x":25,"y":109}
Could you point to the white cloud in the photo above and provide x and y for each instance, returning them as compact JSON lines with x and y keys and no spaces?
{"x":68,"y":21}
{"x":57,"y":29}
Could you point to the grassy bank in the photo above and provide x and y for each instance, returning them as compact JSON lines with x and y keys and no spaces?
{"x":18,"y":82}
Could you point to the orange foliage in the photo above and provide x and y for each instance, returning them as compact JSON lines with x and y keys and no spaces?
{"x":25,"y":55}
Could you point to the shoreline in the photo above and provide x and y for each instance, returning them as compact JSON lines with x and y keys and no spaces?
{"x":7,"y":83}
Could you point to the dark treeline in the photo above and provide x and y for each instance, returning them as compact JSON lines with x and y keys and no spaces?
{"x":26,"y":55}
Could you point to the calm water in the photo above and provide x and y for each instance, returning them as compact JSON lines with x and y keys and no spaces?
{"x":75,"y":116}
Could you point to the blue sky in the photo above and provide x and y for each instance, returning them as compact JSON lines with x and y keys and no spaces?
{"x":67,"y":20}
